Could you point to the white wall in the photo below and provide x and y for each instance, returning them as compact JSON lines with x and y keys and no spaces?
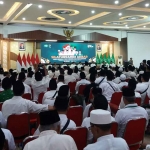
{"x":138,"y":47}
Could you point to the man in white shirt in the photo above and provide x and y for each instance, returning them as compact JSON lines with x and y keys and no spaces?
{"x":22,"y":78}
{"x":61,"y":104}
{"x":123,"y":82}
{"x":100,"y":102}
{"x":101,"y":77}
{"x":69,"y":77}
{"x":83,"y":70}
{"x":109,"y":87}
{"x":17,"y":104}
{"x":143,"y":87}
{"x":60,"y":81}
{"x":49,"y":137}
{"x":100,"y":125}
{"x":39,"y":84}
{"x":29,"y":78}
{"x":53,"y":73}
{"x":83,"y":81}
{"x":131,"y":111}
{"x":80,"y":65}
{"x":75,"y":74}
{"x":86,"y":67}
{"x":128,"y":74}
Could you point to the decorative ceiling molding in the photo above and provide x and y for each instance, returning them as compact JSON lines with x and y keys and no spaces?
{"x":139,"y":9}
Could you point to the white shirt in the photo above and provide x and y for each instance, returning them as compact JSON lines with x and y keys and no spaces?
{"x":2,"y":121}
{"x":27,"y":88}
{"x":107,"y":90}
{"x":141,"y":87}
{"x":86,"y":72}
{"x":86,"y":68}
{"x":80,"y":65}
{"x":63,"y":121}
{"x":39,"y":86}
{"x":117,"y":80}
{"x":97,"y":81}
{"x":122,"y":104}
{"x":17,"y":105}
{"x":59,"y":84}
{"x":54,"y":74}
{"x":81,"y":82}
{"x":88,"y":77}
{"x":50,"y":140}
{"x":76,"y":76}
{"x":47,"y":98}
{"x":131,"y":111}
{"x":108,"y":142}
{"x":122,"y":84}
{"x":9,"y":137}
{"x":69,"y":78}
{"x":28,"y":81}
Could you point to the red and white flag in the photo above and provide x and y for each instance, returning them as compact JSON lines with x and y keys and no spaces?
{"x":37,"y":59}
{"x":19,"y":63}
{"x":28,"y":61}
{"x":32,"y":59}
{"x":24,"y":61}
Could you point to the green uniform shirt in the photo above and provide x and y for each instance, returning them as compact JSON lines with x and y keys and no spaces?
{"x":5,"y":95}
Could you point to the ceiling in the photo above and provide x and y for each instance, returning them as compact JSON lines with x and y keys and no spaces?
{"x":91,"y":14}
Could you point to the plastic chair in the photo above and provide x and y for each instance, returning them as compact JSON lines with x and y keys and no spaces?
{"x":27,"y":96}
{"x":146,"y":101}
{"x":79,"y":135}
{"x":81,"y":89}
{"x":29,"y":139}
{"x":72,"y":102}
{"x":114,"y":128}
{"x":115,"y":101}
{"x":75,"y":113}
{"x":134,"y":133}
{"x":72,"y":86}
{"x":40,"y":98}
{"x":91,"y":95}
{"x":138,"y":101}
{"x":18,"y":124}
{"x":1,"y":104}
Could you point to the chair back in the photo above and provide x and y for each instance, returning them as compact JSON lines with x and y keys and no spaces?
{"x":91,"y":95}
{"x":79,"y":135}
{"x":40,"y":98}
{"x":29,"y":139}
{"x":1,"y":104}
{"x":72,"y":102}
{"x":75,"y":113}
{"x":138,"y":101}
{"x":146,"y":101}
{"x":18,"y":124}
{"x":114,"y":128}
{"x":27,"y":96}
{"x":134,"y":132}
{"x":72,"y":86}
{"x":116,"y":98}
{"x":81,"y":89}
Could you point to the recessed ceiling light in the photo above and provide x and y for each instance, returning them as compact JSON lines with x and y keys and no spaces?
{"x":120,"y":14}
{"x":90,"y":23}
{"x":40,"y":6}
{"x":23,"y":18}
{"x":1,"y":2}
{"x":51,"y":40}
{"x":116,"y":2}
{"x":78,"y":41}
{"x":144,"y":26}
{"x":69,"y":22}
{"x":93,"y":11}
{"x":126,"y":25}
{"x":147,"y":5}
{"x":20,"y":39}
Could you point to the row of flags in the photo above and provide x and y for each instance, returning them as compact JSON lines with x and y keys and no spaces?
{"x":27,"y":61}
{"x":108,"y":59}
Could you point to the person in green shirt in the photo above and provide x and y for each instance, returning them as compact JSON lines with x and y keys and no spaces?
{"x":7,"y":93}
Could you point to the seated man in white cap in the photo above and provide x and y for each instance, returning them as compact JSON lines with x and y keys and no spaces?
{"x":101,"y":128}
{"x":49,"y":138}
{"x":123,"y":82}
{"x":131,"y":111}
{"x":100,"y":102}
{"x":101,"y":77}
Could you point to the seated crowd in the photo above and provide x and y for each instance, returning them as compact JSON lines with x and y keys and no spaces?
{"x":55,"y":94}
